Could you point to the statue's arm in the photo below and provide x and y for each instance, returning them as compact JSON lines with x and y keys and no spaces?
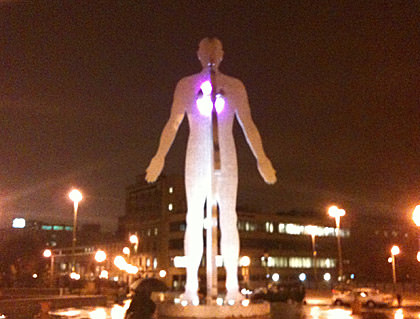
{"x":168,"y":134}
{"x":253,"y":137}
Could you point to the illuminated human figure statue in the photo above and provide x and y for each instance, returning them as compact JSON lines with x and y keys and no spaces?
{"x":198,"y":164}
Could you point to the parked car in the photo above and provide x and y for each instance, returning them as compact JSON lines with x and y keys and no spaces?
{"x":285,"y":291}
{"x":369,"y":297}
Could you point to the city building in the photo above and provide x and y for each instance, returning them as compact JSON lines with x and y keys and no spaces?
{"x":276,"y":243}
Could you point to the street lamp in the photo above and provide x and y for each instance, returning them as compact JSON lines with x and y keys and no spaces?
{"x":134,"y":239}
{"x":76,"y":197}
{"x":49,"y":254}
{"x":313,"y":230}
{"x":244,"y":262}
{"x":100,"y":256}
{"x":337,"y":213}
{"x":395,"y":250}
{"x":416,"y":219}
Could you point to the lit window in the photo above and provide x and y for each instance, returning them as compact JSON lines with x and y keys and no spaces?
{"x":282,"y":228}
{"x":294,"y":229}
{"x":55,"y":227}
{"x":148,"y":262}
{"x":269,"y":227}
{"x":156,"y":231}
{"x":171,"y":190}
{"x":154,"y":263}
{"x":170,"y":207}
{"x":148,"y":232}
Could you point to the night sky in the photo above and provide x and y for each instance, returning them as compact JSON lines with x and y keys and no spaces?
{"x":86,"y":88}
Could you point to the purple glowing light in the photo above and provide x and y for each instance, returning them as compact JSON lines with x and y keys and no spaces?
{"x":204,"y":103}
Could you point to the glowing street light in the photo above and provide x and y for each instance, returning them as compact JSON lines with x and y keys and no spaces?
{"x":49,"y":254}
{"x":416,"y":219}
{"x":100,"y":256}
{"x":120,"y":262}
{"x":244,"y":262}
{"x":395,"y":250}
{"x":416,"y":215}
{"x":337,"y":213}
{"x":76,"y":196}
{"x":134,"y":239}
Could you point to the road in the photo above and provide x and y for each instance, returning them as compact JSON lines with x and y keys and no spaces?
{"x":316,"y":307}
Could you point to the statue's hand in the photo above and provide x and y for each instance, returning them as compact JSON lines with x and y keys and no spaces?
{"x":154,"y":169}
{"x":267,"y":171}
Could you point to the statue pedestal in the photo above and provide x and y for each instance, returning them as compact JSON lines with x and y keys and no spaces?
{"x":171,"y":310}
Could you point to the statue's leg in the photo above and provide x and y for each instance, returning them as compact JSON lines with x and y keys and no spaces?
{"x":230,"y":243}
{"x":193,"y":240}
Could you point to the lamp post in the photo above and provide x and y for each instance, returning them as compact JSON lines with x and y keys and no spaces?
{"x":76,"y":197}
{"x":395,"y":250}
{"x":49,"y":254}
{"x":337,"y":213}
{"x":312,"y":230}
{"x":244,"y":262}
{"x":134,"y":239}
{"x":416,"y":220}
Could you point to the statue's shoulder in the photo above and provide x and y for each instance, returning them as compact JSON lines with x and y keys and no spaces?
{"x":189,"y":80}
{"x":233,"y":82}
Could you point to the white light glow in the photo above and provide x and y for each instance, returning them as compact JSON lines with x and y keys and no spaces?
{"x":100,"y":256}
{"x":302,"y":276}
{"x":184,"y":303}
{"x":126,"y":251}
{"x":205,"y":105}
{"x":245,"y":261}
{"x":399,"y":314}
{"x":231,"y":302}
{"x":196,"y":301}
{"x":327,"y":276}
{"x":206,"y":88}
{"x":219,"y":301}
{"x":75,"y":196}
{"x":131,"y":269}
{"x":220,"y":103}
{"x":120,"y":262}
{"x":35,"y":276}
{"x":134,"y":239}
{"x":104,"y":274}
{"x":416,"y":215}
{"x":47,"y":253}
{"x":162,"y":273}
{"x":19,"y":223}
{"x":395,"y":250}
{"x":98,"y":313}
{"x":245,"y":302}
{"x":275,"y":277}
{"x":75,"y":276}
{"x":315,"y":312}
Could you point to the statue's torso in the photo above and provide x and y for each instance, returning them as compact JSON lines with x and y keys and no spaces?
{"x":200,"y":135}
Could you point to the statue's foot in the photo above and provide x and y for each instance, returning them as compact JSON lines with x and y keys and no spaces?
{"x":190,"y":297}
{"x":234,"y":296}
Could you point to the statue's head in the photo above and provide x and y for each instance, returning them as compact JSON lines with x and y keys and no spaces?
{"x":210,"y":50}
